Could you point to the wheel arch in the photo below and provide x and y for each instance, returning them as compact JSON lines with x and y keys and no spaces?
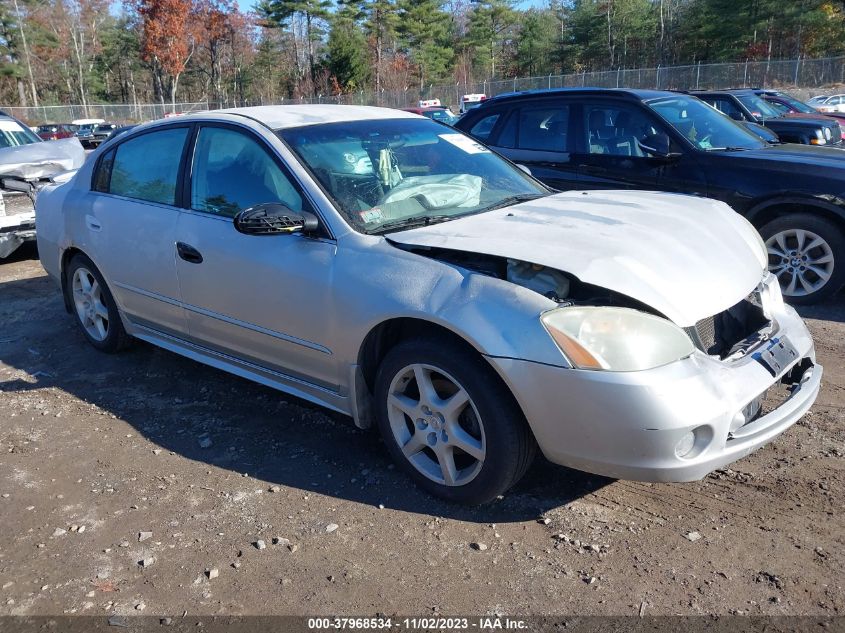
{"x":764,"y":212}
{"x":379,"y":341}
{"x":67,"y":255}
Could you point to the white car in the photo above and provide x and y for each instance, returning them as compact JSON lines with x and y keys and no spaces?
{"x":389,"y":268}
{"x":26,"y":163}
{"x":832,"y":103}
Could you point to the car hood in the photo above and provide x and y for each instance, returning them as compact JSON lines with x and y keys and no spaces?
{"x":790,"y":154}
{"x":688,"y":258}
{"x":40,"y":160}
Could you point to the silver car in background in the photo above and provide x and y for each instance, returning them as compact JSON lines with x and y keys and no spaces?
{"x":392,"y":269}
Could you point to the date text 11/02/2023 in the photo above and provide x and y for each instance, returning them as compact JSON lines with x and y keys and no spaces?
{"x":482,"y":623}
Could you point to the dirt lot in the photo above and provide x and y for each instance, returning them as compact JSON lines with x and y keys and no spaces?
{"x":96,"y":449}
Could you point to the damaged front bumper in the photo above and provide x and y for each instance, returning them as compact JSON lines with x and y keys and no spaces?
{"x":672,"y":423}
{"x":17,"y":222}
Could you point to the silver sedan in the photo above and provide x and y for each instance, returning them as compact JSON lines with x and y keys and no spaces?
{"x":392,"y":269}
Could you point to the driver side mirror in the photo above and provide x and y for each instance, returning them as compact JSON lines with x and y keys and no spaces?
{"x":272,"y":218}
{"x":658,"y":145}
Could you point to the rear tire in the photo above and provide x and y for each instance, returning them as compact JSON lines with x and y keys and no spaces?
{"x":449,"y":421}
{"x":807,"y":253}
{"x":94,"y":307}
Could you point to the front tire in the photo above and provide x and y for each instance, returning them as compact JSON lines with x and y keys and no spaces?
{"x":94,"y":307}
{"x":450,"y":423}
{"x":807,"y":253}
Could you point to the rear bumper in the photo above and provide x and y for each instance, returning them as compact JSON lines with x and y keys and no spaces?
{"x":628,"y":425}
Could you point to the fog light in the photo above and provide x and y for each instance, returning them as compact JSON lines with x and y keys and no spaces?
{"x":685,"y":445}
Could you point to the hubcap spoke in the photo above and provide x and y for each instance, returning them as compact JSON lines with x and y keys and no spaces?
{"x":101,"y":328}
{"x":405,"y":404}
{"x":801,"y":237}
{"x":459,"y":438}
{"x":790,"y":289}
{"x":100,"y":310}
{"x":427,"y":393}
{"x":823,"y":274}
{"x":827,"y":258}
{"x":816,"y":241}
{"x":414,"y":445}
{"x":456,"y":403}
{"x":446,"y":458}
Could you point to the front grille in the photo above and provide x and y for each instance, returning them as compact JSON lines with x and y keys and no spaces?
{"x":719,"y":334}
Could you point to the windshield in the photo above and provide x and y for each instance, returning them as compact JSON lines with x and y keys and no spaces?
{"x":13,"y":134}
{"x":386,"y":172}
{"x":704,"y":126}
{"x":759,"y":107}
{"x":798,"y":106}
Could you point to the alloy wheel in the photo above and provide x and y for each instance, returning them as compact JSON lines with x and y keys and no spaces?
{"x":802,"y":261}
{"x":88,"y":301}
{"x":436,"y":425}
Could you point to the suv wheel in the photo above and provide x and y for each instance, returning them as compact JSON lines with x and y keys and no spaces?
{"x":450,"y":423}
{"x":94,"y":307}
{"x":807,"y":253}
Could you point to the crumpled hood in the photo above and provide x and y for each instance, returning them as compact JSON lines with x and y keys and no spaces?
{"x":40,"y":160}
{"x":686,"y":257}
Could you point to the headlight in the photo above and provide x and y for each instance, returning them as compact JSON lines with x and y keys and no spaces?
{"x":819,"y":140}
{"x":615,"y":339}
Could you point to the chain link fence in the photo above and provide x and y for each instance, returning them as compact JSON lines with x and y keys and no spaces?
{"x":804,"y":77}
{"x":113,"y":113}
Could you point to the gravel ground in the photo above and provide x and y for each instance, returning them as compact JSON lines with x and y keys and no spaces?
{"x":145,"y":482}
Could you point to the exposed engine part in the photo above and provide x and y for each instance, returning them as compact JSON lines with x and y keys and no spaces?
{"x":548,"y":282}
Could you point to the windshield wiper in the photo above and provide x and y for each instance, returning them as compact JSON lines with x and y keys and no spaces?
{"x":726,"y":149}
{"x":412,"y":222}
{"x":510,"y":200}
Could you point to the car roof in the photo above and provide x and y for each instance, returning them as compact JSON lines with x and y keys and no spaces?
{"x":730,"y":91}
{"x":287,"y":116}
{"x":630,"y":93}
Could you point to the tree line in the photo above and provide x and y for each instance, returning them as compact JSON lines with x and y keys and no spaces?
{"x":167,"y":51}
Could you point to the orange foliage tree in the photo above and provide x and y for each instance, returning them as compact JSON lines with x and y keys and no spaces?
{"x":168,"y":40}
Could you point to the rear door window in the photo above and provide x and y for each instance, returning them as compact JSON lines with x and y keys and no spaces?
{"x":544,"y":129}
{"x":147,"y":167}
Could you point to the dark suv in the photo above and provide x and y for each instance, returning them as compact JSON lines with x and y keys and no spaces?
{"x":643,"y":139}
{"x":748,"y":104}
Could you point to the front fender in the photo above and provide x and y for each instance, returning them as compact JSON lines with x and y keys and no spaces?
{"x":382,"y":283}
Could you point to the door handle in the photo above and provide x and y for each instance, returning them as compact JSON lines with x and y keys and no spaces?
{"x":188,"y":253}
{"x":92,"y":223}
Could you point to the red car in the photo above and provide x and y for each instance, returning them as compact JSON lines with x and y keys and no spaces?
{"x":792,"y":106}
{"x":55,"y":131}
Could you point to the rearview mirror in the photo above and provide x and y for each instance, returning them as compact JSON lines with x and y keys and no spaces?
{"x":657,"y":145}
{"x":524,"y":168}
{"x":272,"y":218}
